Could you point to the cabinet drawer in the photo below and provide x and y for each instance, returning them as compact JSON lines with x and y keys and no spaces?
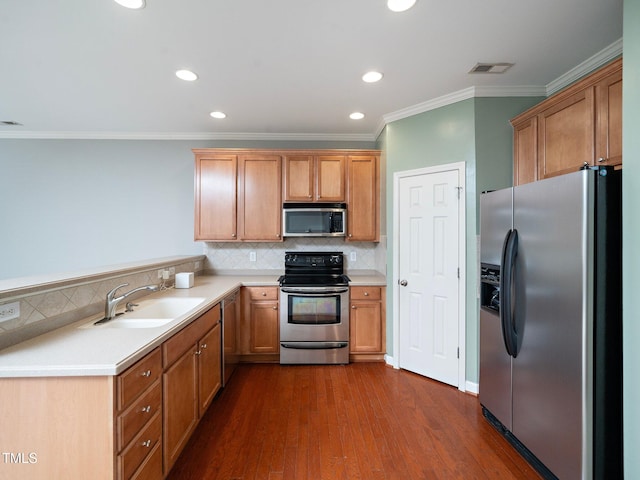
{"x":140,"y":448}
{"x":263,"y":293}
{"x":138,"y":414}
{"x":186,"y":338}
{"x":137,"y":378}
{"x":366,"y":293}
{"x":151,"y":468}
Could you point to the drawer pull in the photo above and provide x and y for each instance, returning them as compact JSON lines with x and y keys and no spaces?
{"x":146,"y":409}
{"x":264,"y":294}
{"x":146,"y":443}
{"x":146,"y":373}
{"x":366,"y":294}
{"x":353,"y":307}
{"x":204,"y":345}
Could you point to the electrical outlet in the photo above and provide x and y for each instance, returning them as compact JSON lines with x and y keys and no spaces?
{"x":199,"y":265}
{"x":252,"y":256}
{"x":160,"y":273}
{"x":352,"y":256}
{"x":172,"y":271}
{"x":165,"y":274}
{"x":9,"y":311}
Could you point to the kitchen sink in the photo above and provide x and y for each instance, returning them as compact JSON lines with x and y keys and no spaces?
{"x":124,"y":322}
{"x":151,"y":313}
{"x":162,"y":308}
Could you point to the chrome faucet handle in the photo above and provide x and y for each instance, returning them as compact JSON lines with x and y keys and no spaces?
{"x":129,"y":306}
{"x":112,"y":292}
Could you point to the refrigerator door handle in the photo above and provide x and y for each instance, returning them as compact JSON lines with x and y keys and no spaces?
{"x":507,"y":320}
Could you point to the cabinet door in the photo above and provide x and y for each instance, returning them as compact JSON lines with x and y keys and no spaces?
{"x":363,"y":203}
{"x":298,"y":178}
{"x":330,"y":184}
{"x":365,"y":326}
{"x":215,"y":197}
{"x":260,"y":197}
{"x":609,"y":120}
{"x":209,"y":367}
{"x":264,"y":327}
{"x":525,"y":151}
{"x":566,"y":135}
{"x":180,"y":405}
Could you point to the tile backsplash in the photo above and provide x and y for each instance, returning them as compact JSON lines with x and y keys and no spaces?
{"x":270,"y":256}
{"x":56,"y":304}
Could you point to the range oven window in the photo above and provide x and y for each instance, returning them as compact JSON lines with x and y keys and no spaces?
{"x":314,"y":309}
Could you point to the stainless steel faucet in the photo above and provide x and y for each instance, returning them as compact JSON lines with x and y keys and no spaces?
{"x":112,"y":301}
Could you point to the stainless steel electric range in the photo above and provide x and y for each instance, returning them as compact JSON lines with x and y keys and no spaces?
{"x":314,"y":309}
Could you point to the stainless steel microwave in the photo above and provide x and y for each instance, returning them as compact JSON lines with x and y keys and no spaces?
{"x":314,"y":219}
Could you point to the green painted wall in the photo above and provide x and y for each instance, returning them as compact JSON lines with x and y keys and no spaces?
{"x":631,"y":236}
{"x":474,"y":131}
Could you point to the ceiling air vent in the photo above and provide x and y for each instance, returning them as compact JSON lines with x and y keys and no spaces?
{"x":491,"y":67}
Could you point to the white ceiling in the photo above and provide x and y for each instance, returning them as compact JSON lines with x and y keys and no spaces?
{"x":278,"y":68}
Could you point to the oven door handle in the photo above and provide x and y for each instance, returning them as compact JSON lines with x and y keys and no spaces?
{"x":314,"y":345}
{"x":324,"y":291}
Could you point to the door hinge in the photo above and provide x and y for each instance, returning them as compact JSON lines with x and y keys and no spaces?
{"x":458,"y":272}
{"x":458,"y":353}
{"x":459,"y":189}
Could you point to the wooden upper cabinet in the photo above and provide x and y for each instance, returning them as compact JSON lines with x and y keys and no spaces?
{"x":363,"y":198}
{"x":580,"y":125}
{"x":330,"y":181}
{"x":260,"y":198}
{"x":525,"y":147}
{"x":238,"y":196}
{"x":239,"y":192}
{"x":299,"y":176}
{"x":215,"y":197}
{"x":608,"y":98}
{"x":566,"y":135}
{"x":314,"y":178}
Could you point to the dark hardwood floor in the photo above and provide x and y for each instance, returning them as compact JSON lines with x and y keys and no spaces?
{"x":359,"y":421}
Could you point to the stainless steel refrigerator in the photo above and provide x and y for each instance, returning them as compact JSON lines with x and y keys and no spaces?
{"x":550,"y":321}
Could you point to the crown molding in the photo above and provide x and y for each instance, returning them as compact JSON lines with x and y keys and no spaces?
{"x":599,"y":59}
{"x":330,"y":137}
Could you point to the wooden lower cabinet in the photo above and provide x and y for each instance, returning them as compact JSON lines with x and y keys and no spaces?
{"x":130,"y":426}
{"x":139,"y":417}
{"x":367,"y":325}
{"x":231,"y":344}
{"x":260,"y":326}
{"x":192,"y":377}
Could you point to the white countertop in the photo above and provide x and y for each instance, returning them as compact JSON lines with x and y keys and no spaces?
{"x":104,"y":350}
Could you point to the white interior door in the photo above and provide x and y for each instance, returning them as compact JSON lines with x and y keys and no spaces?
{"x":428,"y":248}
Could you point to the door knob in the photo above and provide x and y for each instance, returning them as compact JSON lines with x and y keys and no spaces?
{"x":403,"y":283}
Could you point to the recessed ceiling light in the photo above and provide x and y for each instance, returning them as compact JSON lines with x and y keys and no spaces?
{"x":186,"y":75}
{"x":356,"y":116}
{"x":372,"y":77}
{"x":218,"y":114}
{"x":135,"y":4}
{"x":400,"y":5}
